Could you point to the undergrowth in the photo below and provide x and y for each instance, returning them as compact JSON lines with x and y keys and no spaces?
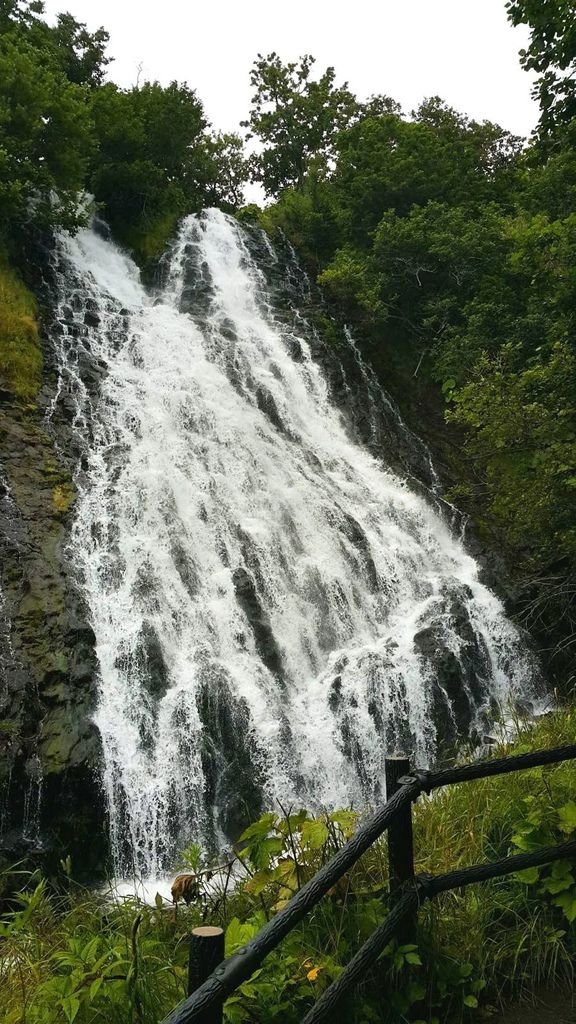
{"x":67,"y":954}
{"x":20,"y":355}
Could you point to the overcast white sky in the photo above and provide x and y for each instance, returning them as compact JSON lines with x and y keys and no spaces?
{"x":462,"y":50}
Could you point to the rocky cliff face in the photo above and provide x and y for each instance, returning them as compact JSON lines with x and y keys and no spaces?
{"x":50,"y":804}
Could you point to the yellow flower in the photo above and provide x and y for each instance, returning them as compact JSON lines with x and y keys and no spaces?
{"x":313,"y":974}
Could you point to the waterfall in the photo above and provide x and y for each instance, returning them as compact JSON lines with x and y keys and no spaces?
{"x":274,"y":605}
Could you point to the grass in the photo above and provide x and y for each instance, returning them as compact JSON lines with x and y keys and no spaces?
{"x":72,"y":956}
{"x":514,"y":937}
{"x":20,"y":354}
{"x":66,"y":954}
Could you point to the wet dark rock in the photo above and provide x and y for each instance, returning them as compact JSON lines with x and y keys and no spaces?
{"x":355,"y":534}
{"x":151,"y":666}
{"x":326,"y":633}
{"x":146,"y":665}
{"x":354,"y":754}
{"x":375,"y":712}
{"x":101,"y":228}
{"x":267,"y":405}
{"x":197,"y":288}
{"x":335,"y":694}
{"x":230,"y":758}
{"x":295,"y":349}
{"x":91,"y":319}
{"x":144,"y":591}
{"x":247,"y":597}
{"x":460,"y":684}
{"x":68,"y":408}
{"x":185,"y":567}
{"x":50,"y":756}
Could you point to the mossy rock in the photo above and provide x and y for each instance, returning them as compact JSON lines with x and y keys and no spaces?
{"x":63,"y":497}
{"x":20,"y":353}
{"x":60,"y":739}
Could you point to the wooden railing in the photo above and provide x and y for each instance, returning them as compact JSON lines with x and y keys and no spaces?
{"x":210,"y":986}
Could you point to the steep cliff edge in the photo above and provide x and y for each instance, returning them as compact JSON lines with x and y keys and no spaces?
{"x":50,"y":803}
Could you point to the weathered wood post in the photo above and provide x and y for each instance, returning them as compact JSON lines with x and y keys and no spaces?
{"x":400,"y":839}
{"x":206,"y":951}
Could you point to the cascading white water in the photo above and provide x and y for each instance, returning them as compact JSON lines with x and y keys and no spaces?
{"x":273,"y":607}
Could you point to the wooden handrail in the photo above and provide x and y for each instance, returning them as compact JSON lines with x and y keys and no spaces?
{"x":204,"y":1005}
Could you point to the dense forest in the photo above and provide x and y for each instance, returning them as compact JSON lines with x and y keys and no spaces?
{"x":448,"y":246}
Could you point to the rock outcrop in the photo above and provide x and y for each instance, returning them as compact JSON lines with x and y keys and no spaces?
{"x":50,"y":804}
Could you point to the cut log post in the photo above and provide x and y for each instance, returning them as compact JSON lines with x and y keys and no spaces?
{"x":206,"y":951}
{"x":400,"y":841}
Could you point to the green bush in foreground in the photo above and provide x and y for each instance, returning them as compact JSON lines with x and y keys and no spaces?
{"x":73,"y":956}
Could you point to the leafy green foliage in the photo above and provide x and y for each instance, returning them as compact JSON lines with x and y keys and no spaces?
{"x":295,"y":118}
{"x":547,"y":826}
{"x":67,"y":46}
{"x":145,"y":152}
{"x":387,"y":162}
{"x":521,"y":435}
{"x":552,"y":55}
{"x":79,"y":960}
{"x":151,"y":161}
{"x":228,"y":170}
{"x":79,"y":54}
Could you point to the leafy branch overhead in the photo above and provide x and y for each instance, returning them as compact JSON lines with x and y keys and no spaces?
{"x":551,"y":54}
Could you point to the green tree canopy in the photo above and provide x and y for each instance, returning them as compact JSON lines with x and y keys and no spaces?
{"x":80,"y":54}
{"x":391,"y":162}
{"x":45,"y":138}
{"x":520,"y":418}
{"x":156,"y":160}
{"x":295,"y":118}
{"x":145,"y":153}
{"x":68,"y":45}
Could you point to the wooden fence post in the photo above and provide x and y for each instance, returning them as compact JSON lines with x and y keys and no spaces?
{"x":206,"y":951}
{"x":400,"y":840}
